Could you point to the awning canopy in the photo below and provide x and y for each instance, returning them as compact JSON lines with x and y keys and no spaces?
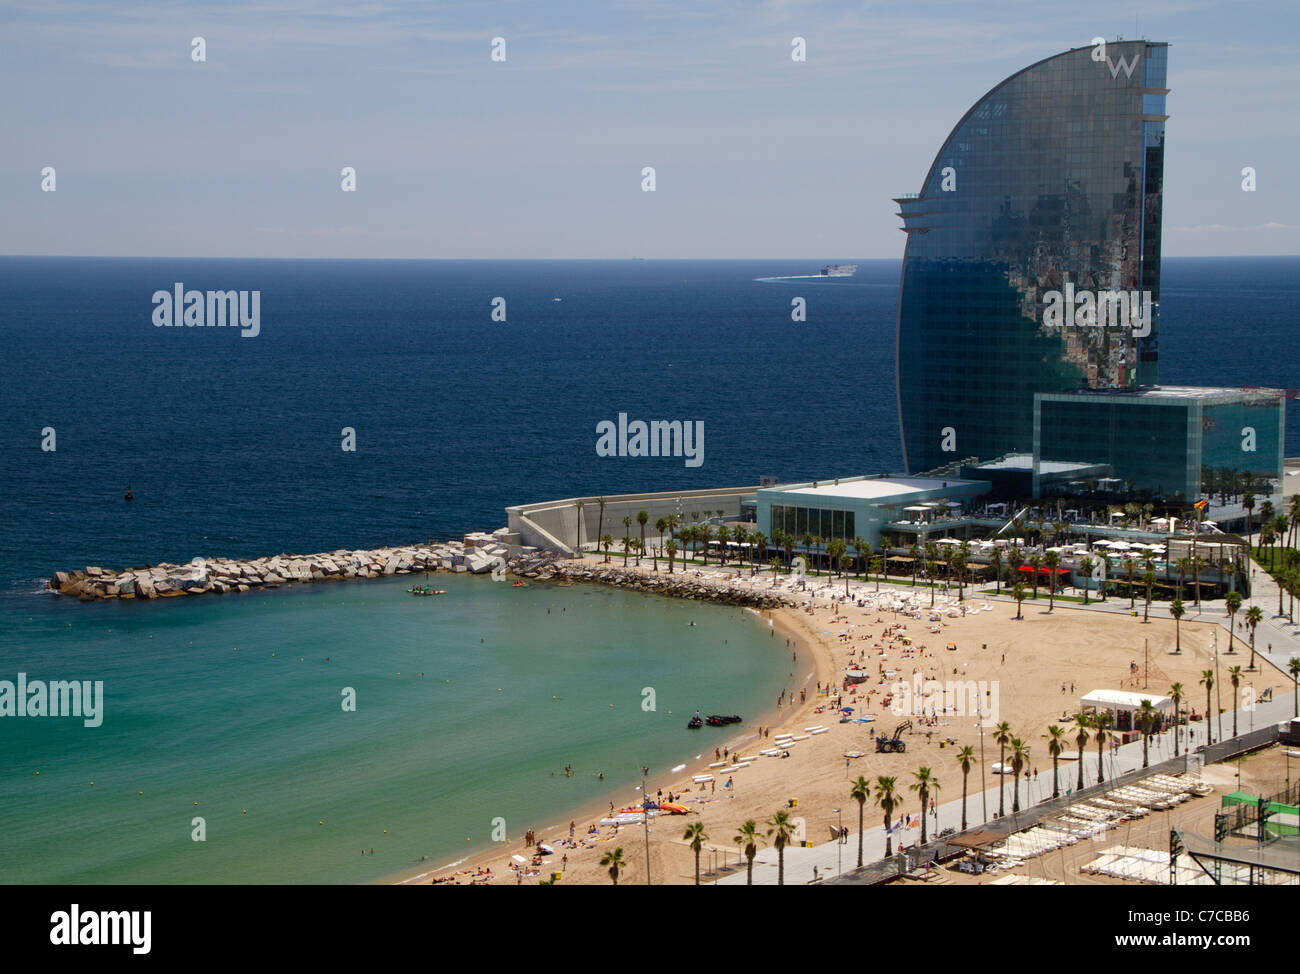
{"x":1125,"y":700}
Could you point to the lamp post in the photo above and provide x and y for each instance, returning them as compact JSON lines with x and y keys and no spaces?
{"x":984,"y":788}
{"x":645,"y":819}
{"x":839,"y":843}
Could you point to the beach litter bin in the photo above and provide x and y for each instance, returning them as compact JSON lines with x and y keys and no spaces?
{"x":793,"y":802}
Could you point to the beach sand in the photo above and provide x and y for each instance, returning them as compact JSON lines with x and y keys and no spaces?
{"x":1029,"y":659}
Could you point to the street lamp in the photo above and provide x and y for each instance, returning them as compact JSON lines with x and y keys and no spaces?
{"x":645,"y":818}
{"x":839,"y":842}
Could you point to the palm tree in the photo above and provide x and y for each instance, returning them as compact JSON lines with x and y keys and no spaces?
{"x":1018,"y":593}
{"x":1101,"y":724}
{"x":1130,"y":566}
{"x":1086,"y":565}
{"x":914,"y":552}
{"x":661,"y":525}
{"x":783,"y":828}
{"x":1234,"y":677}
{"x":747,"y":837}
{"x":1002,"y":734}
{"x":878,"y":566}
{"x":724,"y":535}
{"x":1052,"y":559}
{"x":614,"y":860}
{"x":1035,"y":562}
{"x":860,"y":791}
{"x":1183,"y":564}
{"x":1254,"y":616}
{"x":1015,"y":560}
{"x":641,"y":518}
{"x":1207,"y":681}
{"x":888,"y":799}
{"x":966,"y":759}
{"x":627,"y":527}
{"x":1233,"y":601}
{"x":704,"y":534}
{"x":1177,"y":609}
{"x":1055,"y":738}
{"x":628,"y":545}
{"x":600,"y":525}
{"x":1081,"y":724}
{"x":1177,"y":691}
{"x":958,"y":561}
{"x":578,"y":549}
{"x":1148,"y":719}
{"x":1019,"y":759}
{"x":671,"y":547}
{"x":1293,"y":667}
{"x":696,"y":837}
{"x":606,"y":540}
{"x":996,"y":559}
{"x":1248,"y":502}
{"x":924,"y":784}
{"x":931,"y":559}
{"x":864,"y":551}
{"x":1198,"y":566}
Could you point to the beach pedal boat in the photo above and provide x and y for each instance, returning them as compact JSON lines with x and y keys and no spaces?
{"x":771,"y":752}
{"x":801,"y":737}
{"x":786,"y":744}
{"x":748,"y":760}
{"x":782,"y":737}
{"x":815,"y":727}
{"x":701,"y":779}
{"x":718,"y":764}
{"x":818,"y":730}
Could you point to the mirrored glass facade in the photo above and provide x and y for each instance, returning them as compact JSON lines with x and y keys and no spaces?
{"x":1051,"y":184}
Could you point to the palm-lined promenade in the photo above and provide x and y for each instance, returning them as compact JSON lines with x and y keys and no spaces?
{"x":1042,"y":663}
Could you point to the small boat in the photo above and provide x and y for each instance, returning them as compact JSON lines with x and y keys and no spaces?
{"x":695,"y":724}
{"x":518,"y":584}
{"x":425,"y":590}
{"x":674,"y":809}
{"x":714,"y":720}
{"x":129,"y":496}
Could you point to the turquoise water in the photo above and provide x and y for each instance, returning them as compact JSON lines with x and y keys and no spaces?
{"x":229,"y":701}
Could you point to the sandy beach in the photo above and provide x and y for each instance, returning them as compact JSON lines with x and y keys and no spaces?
{"x":1036,"y":669}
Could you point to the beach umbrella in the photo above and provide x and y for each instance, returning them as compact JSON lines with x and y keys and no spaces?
{"x":846,"y":710}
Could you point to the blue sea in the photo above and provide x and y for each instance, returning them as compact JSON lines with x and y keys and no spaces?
{"x":231,"y":447}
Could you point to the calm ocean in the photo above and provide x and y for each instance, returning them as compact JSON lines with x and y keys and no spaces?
{"x":232,"y":447}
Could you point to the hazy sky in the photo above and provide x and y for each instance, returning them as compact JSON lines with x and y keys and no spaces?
{"x":541,"y":156}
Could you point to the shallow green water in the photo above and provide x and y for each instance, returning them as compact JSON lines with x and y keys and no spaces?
{"x":509,"y":695}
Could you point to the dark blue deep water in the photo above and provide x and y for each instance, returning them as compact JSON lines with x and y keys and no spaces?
{"x":232,"y":445}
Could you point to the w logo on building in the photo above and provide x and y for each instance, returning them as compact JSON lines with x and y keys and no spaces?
{"x":1126,"y":65}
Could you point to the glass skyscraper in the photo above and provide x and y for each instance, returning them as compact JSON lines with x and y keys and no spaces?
{"x":1030,"y":250}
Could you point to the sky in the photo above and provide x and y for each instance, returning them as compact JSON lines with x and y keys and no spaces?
{"x":541,"y":155}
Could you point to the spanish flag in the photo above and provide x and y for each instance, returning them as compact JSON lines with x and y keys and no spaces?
{"x":1201,"y":505}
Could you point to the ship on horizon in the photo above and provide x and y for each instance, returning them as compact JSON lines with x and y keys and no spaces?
{"x":838,"y":270}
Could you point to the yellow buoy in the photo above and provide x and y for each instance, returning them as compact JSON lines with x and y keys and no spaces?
{"x":92,"y":784}
{"x":385,"y":831}
{"x":320,"y":823}
{"x":140,"y":792}
{"x":196,"y":804}
{"x":245,"y":811}
{"x":38,"y":772}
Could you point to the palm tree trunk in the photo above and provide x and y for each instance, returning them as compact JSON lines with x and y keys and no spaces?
{"x":1002,"y":781}
{"x":1101,"y":762}
{"x":964,"y":776}
{"x":1056,"y":779}
{"x":861,"y":807}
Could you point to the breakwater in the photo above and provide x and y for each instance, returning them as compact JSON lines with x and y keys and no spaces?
{"x":477,"y":554}
{"x":682,"y":586}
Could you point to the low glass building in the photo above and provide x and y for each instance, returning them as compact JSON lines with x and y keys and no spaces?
{"x":1166,"y":443}
{"x":847,"y":508}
